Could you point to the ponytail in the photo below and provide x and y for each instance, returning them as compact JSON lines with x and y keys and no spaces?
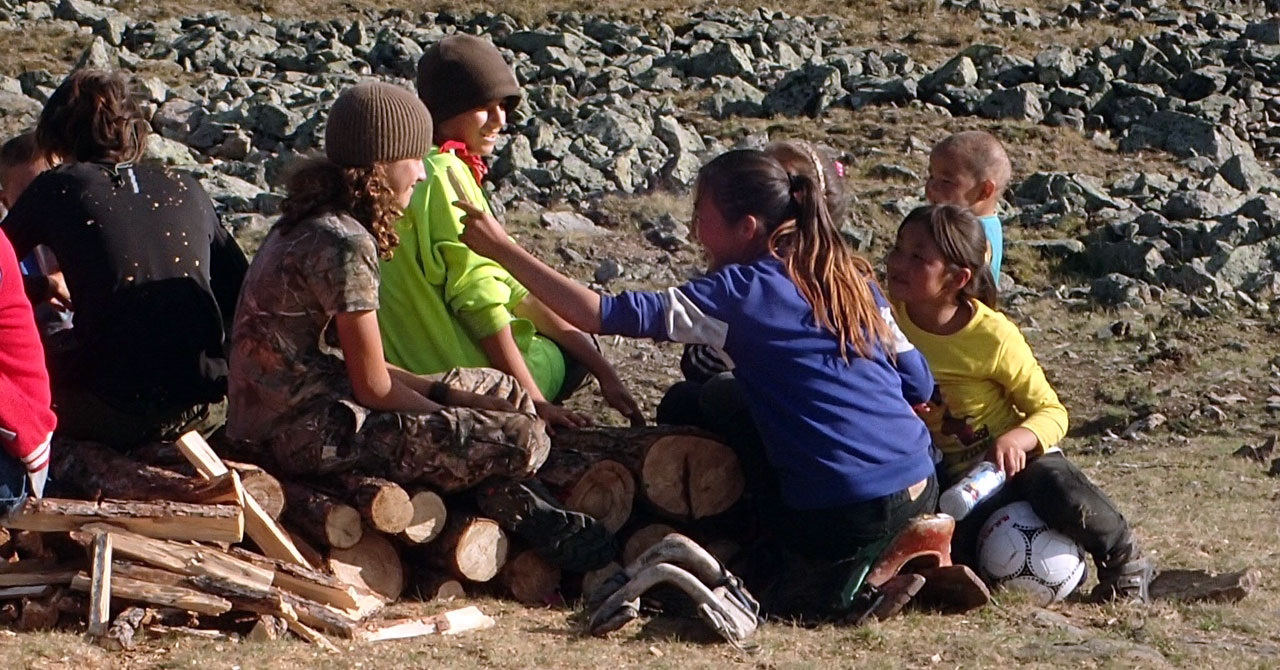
{"x":835,"y":281}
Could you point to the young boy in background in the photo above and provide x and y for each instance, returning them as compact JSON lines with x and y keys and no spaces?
{"x":20,"y":163}
{"x":971,"y":169}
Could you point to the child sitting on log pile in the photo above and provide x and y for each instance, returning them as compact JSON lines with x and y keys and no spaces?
{"x":828,"y":381}
{"x":308,"y":376}
{"x":444,"y":306}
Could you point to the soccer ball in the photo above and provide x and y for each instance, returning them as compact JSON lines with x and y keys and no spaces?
{"x":1017,"y":550}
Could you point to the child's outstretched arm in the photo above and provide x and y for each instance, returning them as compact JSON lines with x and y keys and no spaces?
{"x":577,"y":304}
{"x":579,"y":345}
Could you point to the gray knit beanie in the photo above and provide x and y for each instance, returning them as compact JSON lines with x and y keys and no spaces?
{"x":462,"y":72}
{"x":376,"y":122}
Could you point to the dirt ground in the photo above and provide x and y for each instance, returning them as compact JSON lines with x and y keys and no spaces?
{"x":1192,"y":503}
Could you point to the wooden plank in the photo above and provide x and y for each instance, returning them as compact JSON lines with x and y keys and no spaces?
{"x":315,"y":585}
{"x":164,"y":520}
{"x":57,"y":577}
{"x":193,"y":560}
{"x":264,"y":531}
{"x":32,"y":591}
{"x":453,"y":622}
{"x":159,"y":594}
{"x":100,"y":587}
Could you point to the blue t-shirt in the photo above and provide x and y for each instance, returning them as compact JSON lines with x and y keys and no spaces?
{"x":995,"y":236}
{"x":836,"y":432}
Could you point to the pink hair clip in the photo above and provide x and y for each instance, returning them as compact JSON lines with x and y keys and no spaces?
{"x":839,"y":169}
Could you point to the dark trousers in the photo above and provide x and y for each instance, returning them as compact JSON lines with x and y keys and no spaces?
{"x":804,"y":556}
{"x":13,"y":484}
{"x":1068,"y":502}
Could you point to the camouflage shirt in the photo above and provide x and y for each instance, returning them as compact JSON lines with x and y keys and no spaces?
{"x":286,"y":364}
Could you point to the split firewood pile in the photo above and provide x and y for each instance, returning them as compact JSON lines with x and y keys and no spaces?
{"x":160,"y":538}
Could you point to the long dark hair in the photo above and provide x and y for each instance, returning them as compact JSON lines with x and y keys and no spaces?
{"x":318,"y":186}
{"x":963,"y":243}
{"x":91,"y":116}
{"x":835,"y":281}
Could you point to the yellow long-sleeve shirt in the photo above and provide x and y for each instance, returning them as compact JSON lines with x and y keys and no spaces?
{"x":989,"y":382}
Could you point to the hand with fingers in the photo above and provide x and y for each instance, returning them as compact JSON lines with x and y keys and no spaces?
{"x":559,"y":417}
{"x":1008,"y":455}
{"x":616,"y":394}
{"x":481,"y":231}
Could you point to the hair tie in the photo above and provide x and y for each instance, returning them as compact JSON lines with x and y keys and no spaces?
{"x":817,"y":166}
{"x":839,"y":169}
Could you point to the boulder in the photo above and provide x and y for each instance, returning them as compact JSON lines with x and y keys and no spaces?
{"x":1012,"y":103}
{"x":728,"y":59}
{"x":807,"y":91}
{"x":569,"y":222}
{"x":959,"y":72}
{"x":1056,"y":65}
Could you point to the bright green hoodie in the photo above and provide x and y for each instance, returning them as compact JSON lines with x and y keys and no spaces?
{"x":439,"y":299}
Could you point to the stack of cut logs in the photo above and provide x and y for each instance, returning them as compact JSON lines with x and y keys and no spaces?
{"x":152,"y":537}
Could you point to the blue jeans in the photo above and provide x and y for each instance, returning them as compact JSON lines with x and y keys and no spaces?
{"x":13,"y":484}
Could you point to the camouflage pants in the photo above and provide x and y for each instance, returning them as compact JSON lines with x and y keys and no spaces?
{"x":449,"y":450}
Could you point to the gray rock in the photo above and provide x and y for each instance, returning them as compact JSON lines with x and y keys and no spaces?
{"x":1198,"y":205}
{"x":959,"y":72}
{"x":676,"y":137}
{"x":1245,"y":173}
{"x":1190,"y":278}
{"x":1266,"y":32}
{"x":232,"y":193}
{"x":728,"y":59}
{"x":580,"y":172}
{"x":1056,"y":65}
{"x":895,"y":172}
{"x":615,"y":130}
{"x":733,"y":97}
{"x":517,"y":155}
{"x":169,"y":152}
{"x":1116,"y":289}
{"x":177,"y":119}
{"x":82,"y":12}
{"x":569,"y":222}
{"x":805,"y":92}
{"x":20,"y":107}
{"x":99,"y":55}
{"x":607,"y":271}
{"x":275,"y":121}
{"x":532,"y":41}
{"x":112,"y":28}
{"x":1265,"y":210}
{"x":1238,"y":266}
{"x":1012,"y":103}
{"x":1139,"y":259}
{"x":1185,"y":135}
{"x":236,"y":146}
{"x":898,"y":91}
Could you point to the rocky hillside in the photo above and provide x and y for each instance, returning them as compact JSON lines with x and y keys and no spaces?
{"x":615,"y":107}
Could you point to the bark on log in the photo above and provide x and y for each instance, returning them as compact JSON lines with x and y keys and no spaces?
{"x":429,"y":517}
{"x":471,"y":548}
{"x":532,"y":580}
{"x":430,"y":585}
{"x":382,"y":503}
{"x":99,"y":472}
{"x":166,"y":520}
{"x":643,"y":538}
{"x":320,"y":518}
{"x":373,"y":563}
{"x":166,"y":595}
{"x":684,"y":473}
{"x":119,"y":636}
{"x":268,"y":628}
{"x":193,"y":560}
{"x":262,"y":485}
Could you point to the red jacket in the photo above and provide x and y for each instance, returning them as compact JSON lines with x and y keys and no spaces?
{"x":26,"y":417}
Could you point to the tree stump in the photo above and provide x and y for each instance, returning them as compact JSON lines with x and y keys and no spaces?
{"x":429,"y":517}
{"x":320,"y":518}
{"x":372,"y":563}
{"x":684,"y":473}
{"x":532,"y":580}
{"x":472,"y":548}
{"x":382,"y":503}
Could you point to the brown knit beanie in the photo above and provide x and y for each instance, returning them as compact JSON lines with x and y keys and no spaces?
{"x":462,"y":72}
{"x":376,"y":122}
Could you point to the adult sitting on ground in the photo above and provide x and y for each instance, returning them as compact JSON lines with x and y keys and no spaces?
{"x":154,"y":274}
{"x":308,"y":377}
{"x":20,"y":163}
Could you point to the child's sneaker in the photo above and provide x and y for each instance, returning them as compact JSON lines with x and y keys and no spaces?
{"x":570,"y":540}
{"x":1130,"y":580}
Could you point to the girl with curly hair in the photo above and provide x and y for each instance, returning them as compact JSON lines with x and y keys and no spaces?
{"x":309,"y":380}
{"x":154,"y":274}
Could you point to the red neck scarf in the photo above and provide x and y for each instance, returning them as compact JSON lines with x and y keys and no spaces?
{"x":476,"y":163}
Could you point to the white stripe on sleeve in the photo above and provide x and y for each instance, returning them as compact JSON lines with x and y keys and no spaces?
{"x":688,"y":324}
{"x":900,"y":342}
